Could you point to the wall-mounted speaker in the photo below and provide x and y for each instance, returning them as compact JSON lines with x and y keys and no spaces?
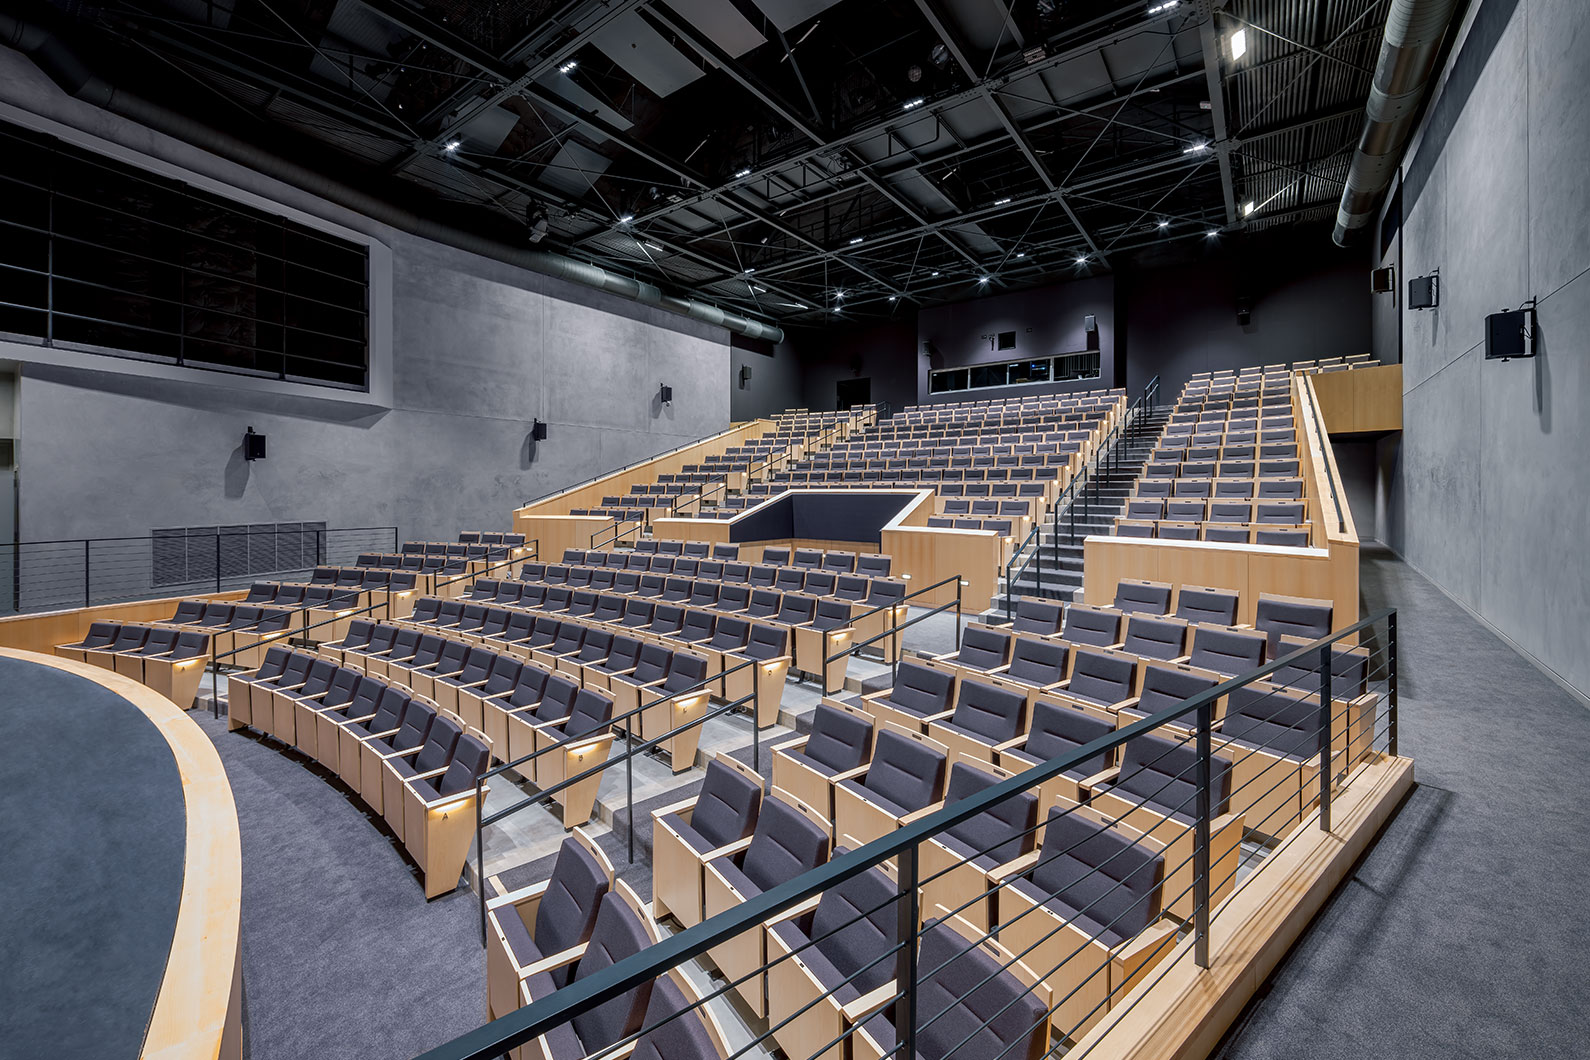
{"x":1510,"y":333}
{"x":1424,"y":292}
{"x":253,"y":445}
{"x":1383,"y":281}
{"x":745,"y":375}
{"x":1090,"y":327}
{"x":666,"y":394}
{"x":538,"y":431}
{"x":1244,"y":311}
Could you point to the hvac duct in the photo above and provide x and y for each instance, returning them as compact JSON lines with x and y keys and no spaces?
{"x":1407,"y":53}
{"x":57,"y":59}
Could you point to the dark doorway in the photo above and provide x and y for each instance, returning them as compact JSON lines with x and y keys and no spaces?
{"x":853,"y":392}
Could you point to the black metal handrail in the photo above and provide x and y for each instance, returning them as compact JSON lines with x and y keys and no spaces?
{"x":544,"y":1014}
{"x":633,"y":463}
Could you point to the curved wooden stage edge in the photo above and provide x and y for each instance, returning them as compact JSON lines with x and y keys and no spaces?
{"x":197,"y":1007}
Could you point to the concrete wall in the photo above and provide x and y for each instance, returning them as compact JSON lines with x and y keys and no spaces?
{"x":775,"y":383}
{"x":467,"y":352}
{"x":1490,"y":492}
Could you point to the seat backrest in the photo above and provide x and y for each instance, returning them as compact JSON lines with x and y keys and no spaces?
{"x":854,"y":922}
{"x":983,"y":648}
{"x":996,"y":714}
{"x":1038,"y":661}
{"x":1058,"y":729}
{"x":1165,"y":686}
{"x":618,"y":933}
{"x":1111,"y":883}
{"x":557,"y":699}
{"x":1037,"y":616}
{"x":1003,"y":831}
{"x":567,"y":912}
{"x":160,"y":641}
{"x":652,"y":664}
{"x":1141,"y":597}
{"x":1091,"y":626}
{"x":785,"y":844}
{"x":727,"y":807}
{"x":921,"y":689}
{"x":528,"y":688}
{"x":592,"y":712}
{"x":439,"y":743}
{"x":1226,"y":651}
{"x":1163,"y":773}
{"x":686,"y":671}
{"x":972,"y":1005}
{"x":839,"y":739}
{"x":418,"y":716}
{"x":1281,"y":616}
{"x":731,"y":633}
{"x":1102,"y":678}
{"x":1155,"y":638}
{"x":1262,"y":715}
{"x":1213,"y":606}
{"x":766,"y":642}
{"x":907,"y":772}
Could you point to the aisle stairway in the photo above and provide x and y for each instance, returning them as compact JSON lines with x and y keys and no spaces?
{"x":1101,"y":499}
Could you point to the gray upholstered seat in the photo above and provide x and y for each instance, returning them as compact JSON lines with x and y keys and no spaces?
{"x":983,"y":648}
{"x":1037,"y":616}
{"x":997,"y":833}
{"x":784,"y":845}
{"x":1213,"y":606}
{"x":1141,"y":597}
{"x":987,"y":713}
{"x":903,"y":776}
{"x":1091,"y":626}
{"x":1096,"y":877}
{"x":1155,"y":638}
{"x":1162,"y":774}
{"x":1058,"y":729}
{"x":1100,"y":678}
{"x":1262,"y":716}
{"x":618,"y":933}
{"x":726,"y":810}
{"x":839,"y":740}
{"x":1226,"y":651}
{"x":920,"y":691}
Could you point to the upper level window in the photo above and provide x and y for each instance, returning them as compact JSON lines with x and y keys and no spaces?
{"x":99,"y":255}
{"x":1063,"y":369}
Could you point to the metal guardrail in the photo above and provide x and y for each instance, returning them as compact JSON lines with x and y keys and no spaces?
{"x":902,"y":847}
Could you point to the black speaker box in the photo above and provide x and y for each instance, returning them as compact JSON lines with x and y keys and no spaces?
{"x":1509,"y":335}
{"x":253,"y":446}
{"x":538,"y":431}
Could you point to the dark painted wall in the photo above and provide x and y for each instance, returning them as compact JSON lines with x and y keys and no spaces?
{"x":1309,"y":299}
{"x":775,"y":383}
{"x":885,"y":352}
{"x":1048,"y":321}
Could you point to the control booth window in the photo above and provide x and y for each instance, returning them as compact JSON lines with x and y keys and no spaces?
{"x":1066,"y":368}
{"x":101,"y":256}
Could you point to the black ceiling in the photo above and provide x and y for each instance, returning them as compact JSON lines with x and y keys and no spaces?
{"x":771,"y":154}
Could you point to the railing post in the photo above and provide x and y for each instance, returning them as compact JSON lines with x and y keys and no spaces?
{"x":87,"y":596}
{"x":218,"y":561}
{"x":1391,"y":683}
{"x":629,"y":781}
{"x":756,"y":716}
{"x":1010,"y":593}
{"x":480,"y":859}
{"x":1201,"y":841}
{"x":959,"y":581}
{"x":1326,"y":762}
{"x":907,"y":916}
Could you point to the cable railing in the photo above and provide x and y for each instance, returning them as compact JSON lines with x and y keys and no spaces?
{"x":84,"y":572}
{"x":938,"y":933}
{"x":632,"y":464}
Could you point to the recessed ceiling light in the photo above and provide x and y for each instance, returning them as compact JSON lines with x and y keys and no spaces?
{"x":856,"y":240}
{"x":1195,"y":149}
{"x":912,"y":104}
{"x":1001,"y":202}
{"x":453,"y":146}
{"x":742,"y":174}
{"x":1164,"y":224}
{"x":567,"y":67}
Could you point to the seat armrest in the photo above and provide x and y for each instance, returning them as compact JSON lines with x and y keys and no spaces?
{"x":678,"y":807}
{"x":1089,"y":783}
{"x":796,"y":910}
{"x":853,"y":773}
{"x":555,"y":961}
{"x":534,"y":890}
{"x":1003,"y":874}
{"x":870,"y":1002}
{"x":917,"y":815}
{"x":943,"y":715}
{"x":791,"y":745}
{"x":1133,"y":950}
{"x":1011,"y":744}
{"x":727,"y":850}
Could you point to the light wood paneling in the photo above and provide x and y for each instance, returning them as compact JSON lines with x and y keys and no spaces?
{"x":43,"y":631}
{"x":197,"y":1013}
{"x":1360,"y":400}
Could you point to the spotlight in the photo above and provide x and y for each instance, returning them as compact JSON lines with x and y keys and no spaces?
{"x":1082,"y":259}
{"x":1212,"y":233}
{"x":856,"y":240}
{"x":839,"y":294}
{"x":567,"y":67}
{"x":1160,"y":9}
{"x":626,"y":219}
{"x":894,"y":298}
{"x":912,"y":104}
{"x":1239,"y":44}
{"x":453,"y":146}
{"x":1001,"y":202}
{"x":750,"y":271}
{"x":536,"y":218}
{"x":1021,"y":253}
{"x":1195,"y":149}
{"x":742,"y":174}
{"x":1247,"y":208}
{"x":1163,"y":225}
{"x":982,"y":279}
{"x":935,"y":272}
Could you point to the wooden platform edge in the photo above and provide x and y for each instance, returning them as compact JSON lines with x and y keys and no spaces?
{"x":1183,"y":1013}
{"x":198,"y":1012}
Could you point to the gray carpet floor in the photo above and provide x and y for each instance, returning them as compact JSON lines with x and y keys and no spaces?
{"x":342,"y":954}
{"x":1463,"y":931}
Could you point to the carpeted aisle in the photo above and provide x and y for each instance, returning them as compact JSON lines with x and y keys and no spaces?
{"x":1463,"y":932}
{"x":342,"y":955}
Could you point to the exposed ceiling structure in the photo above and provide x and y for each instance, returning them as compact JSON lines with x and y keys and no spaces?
{"x":794,"y":158}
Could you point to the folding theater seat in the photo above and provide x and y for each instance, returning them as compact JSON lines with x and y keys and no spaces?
{"x":1135,"y":597}
{"x":158,"y":641}
{"x":363,"y":756}
{"x":473,"y":673}
{"x":1156,"y":638}
{"x":1228,"y":652}
{"x":308,"y":705}
{"x":1101,"y":681}
{"x":825,"y":960}
{"x":1199,"y":605}
{"x":903,"y":781}
{"x":987,"y":719}
{"x":1279,"y":616}
{"x":1057,"y":729}
{"x":1095,"y":627}
{"x":837,"y":747}
{"x":1084,"y":910}
{"x":429,"y":759}
{"x":556,"y":704}
{"x":767,"y":651}
{"x":370,"y":648}
{"x":263,"y":694}
{"x":1037,"y":667}
{"x":450,"y":664}
{"x":567,"y":748}
{"x":1039,"y":617}
{"x":789,"y":839}
{"x":959,"y":865}
{"x":241,"y":688}
{"x":1154,"y":791}
{"x":686,"y":835}
{"x":129,"y":638}
{"x":528,"y":925}
{"x":676,"y":702}
{"x":621,"y":660}
{"x":622,"y":929}
{"x":983,"y":649}
{"x":1275,"y":741}
{"x":471,"y":698}
{"x":100,"y":635}
{"x":566,"y":643}
{"x":825,"y":635}
{"x":919,"y":692}
{"x":362,"y":705}
{"x":884,"y":596}
{"x":525,"y":694}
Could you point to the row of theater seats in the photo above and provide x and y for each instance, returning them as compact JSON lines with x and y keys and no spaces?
{"x":694,"y":549}
{"x":489,"y":537}
{"x":168,"y":660}
{"x":411,"y":763}
{"x":833,"y":561}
